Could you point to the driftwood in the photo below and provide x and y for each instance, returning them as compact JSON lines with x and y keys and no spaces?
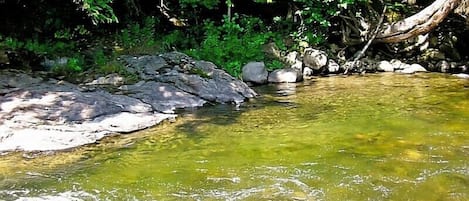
{"x":417,"y":24}
{"x":357,"y":30}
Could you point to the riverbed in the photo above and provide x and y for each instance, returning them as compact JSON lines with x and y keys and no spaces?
{"x":372,"y":137}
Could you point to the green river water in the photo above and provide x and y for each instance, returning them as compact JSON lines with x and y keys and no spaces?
{"x":373,"y":137}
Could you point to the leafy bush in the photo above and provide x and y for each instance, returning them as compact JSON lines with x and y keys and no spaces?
{"x":138,"y":37}
{"x":34,"y":45}
{"x":234,"y":43}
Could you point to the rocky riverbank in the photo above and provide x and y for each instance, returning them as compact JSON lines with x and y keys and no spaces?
{"x":39,"y":114}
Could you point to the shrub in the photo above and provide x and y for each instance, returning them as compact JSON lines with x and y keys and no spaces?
{"x":234,"y":43}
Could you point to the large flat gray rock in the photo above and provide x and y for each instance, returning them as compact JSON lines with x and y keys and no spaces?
{"x":45,"y":114}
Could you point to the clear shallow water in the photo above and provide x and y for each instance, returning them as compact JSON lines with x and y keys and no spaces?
{"x":377,"y":137}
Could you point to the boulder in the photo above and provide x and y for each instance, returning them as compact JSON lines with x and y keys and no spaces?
{"x":38,"y":114}
{"x":50,"y":115}
{"x":291,"y":57}
{"x":315,"y":59}
{"x":255,"y":72}
{"x":333,"y":67}
{"x":307,"y":72}
{"x":443,"y":66}
{"x":462,"y":75}
{"x":285,"y":75}
{"x":411,"y":69}
{"x":398,"y":64}
{"x":209,"y":83}
{"x":385,"y":66}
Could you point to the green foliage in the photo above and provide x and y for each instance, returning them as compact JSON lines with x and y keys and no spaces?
{"x":138,"y":37}
{"x":210,"y":4}
{"x":317,"y":16}
{"x":177,"y":39}
{"x":69,"y":34}
{"x":234,"y":43}
{"x":100,"y":11}
{"x":36,"y":46}
{"x":75,"y":64}
{"x":274,"y":64}
{"x":68,"y":67}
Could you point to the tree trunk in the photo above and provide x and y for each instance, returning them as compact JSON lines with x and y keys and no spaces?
{"x":420,"y":23}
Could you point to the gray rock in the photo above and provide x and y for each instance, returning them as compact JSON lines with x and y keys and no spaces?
{"x":291,"y":57}
{"x":411,"y":69}
{"x":163,"y":97}
{"x":385,"y":66}
{"x":462,"y":75}
{"x":443,"y":66}
{"x":52,"y":63}
{"x":147,"y":67}
{"x":37,"y":114}
{"x":307,"y":71}
{"x":333,"y":67}
{"x":219,"y":87}
{"x":398,"y":64}
{"x":285,"y":75}
{"x":111,"y":79}
{"x":255,"y":72}
{"x":65,"y":136}
{"x":298,"y":65}
{"x":315,"y":59}
{"x":175,"y":58}
{"x":52,"y":115}
{"x":464,"y":68}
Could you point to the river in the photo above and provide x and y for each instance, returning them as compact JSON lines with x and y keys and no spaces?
{"x":372,"y":137}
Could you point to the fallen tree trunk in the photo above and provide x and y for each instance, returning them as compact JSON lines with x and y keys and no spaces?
{"x":417,"y":24}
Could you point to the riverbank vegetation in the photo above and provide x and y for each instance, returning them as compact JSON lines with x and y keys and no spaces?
{"x":68,"y":38}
